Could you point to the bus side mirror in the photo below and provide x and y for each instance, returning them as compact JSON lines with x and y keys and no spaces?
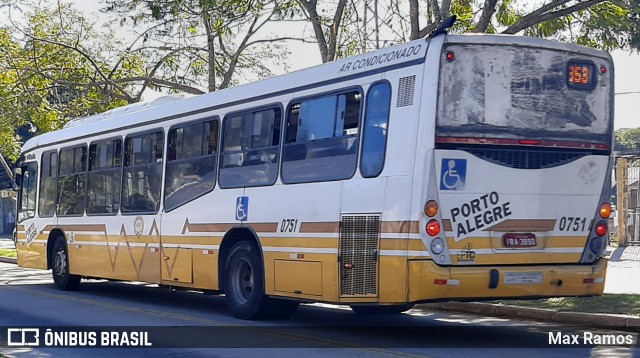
{"x":16,"y":183}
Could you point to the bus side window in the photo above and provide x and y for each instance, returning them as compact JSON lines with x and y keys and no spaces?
{"x":48,"y":184}
{"x":250,"y":148}
{"x":142,"y":174}
{"x":104,"y":177}
{"x":27,"y":195}
{"x":191,"y":166}
{"x":71,"y":181}
{"x":376,"y":123}
{"x":325,"y":144}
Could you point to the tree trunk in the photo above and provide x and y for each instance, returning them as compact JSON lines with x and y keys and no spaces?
{"x":413,"y":18}
{"x":211,"y":55}
{"x":485,"y":18}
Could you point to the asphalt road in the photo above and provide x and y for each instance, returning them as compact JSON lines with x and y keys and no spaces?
{"x":28,"y":299}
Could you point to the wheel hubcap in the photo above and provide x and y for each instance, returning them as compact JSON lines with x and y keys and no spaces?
{"x":60,"y":264}
{"x":242,"y":281}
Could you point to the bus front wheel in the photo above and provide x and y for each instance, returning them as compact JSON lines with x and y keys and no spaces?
{"x":381,"y":309}
{"x":244,"y":282}
{"x":60,"y":268}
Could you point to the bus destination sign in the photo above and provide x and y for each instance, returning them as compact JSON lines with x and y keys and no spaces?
{"x":580,"y":75}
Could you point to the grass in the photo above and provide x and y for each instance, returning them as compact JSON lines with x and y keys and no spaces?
{"x":8,"y":253}
{"x":607,"y":303}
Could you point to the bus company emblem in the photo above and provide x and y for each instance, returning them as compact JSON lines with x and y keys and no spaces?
{"x":467,"y":255}
{"x":589,"y":173}
{"x":138,"y":226}
{"x":453,"y":174}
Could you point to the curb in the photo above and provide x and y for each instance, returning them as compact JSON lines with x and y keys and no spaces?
{"x":539,"y":314}
{"x":9,"y":260}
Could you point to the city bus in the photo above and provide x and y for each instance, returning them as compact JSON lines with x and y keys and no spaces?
{"x":455,"y":167}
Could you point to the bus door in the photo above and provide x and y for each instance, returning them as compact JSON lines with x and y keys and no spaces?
{"x":28,"y":244}
{"x":140,"y":206}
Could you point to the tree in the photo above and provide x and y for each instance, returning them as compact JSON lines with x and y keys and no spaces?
{"x":596,"y":23}
{"x":326,"y":30}
{"x":627,"y":139}
{"x":187,"y":40}
{"x":55,"y":67}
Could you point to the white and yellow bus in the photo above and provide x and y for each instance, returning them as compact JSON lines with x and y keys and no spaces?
{"x":455,"y":167}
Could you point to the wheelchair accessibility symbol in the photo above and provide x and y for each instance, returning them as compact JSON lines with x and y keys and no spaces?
{"x":453,"y":174}
{"x":242,"y":208}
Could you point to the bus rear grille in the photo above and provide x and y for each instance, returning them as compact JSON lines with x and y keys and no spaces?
{"x":526,"y":158}
{"x":358,"y":255}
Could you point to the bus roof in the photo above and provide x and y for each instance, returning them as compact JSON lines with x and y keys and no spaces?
{"x":499,"y":39}
{"x":138,"y":114}
{"x":338,"y":70}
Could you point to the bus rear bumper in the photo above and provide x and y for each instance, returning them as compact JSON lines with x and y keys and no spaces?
{"x":428,"y":281}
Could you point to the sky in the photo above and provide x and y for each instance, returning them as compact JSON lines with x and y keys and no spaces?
{"x":626,"y":65}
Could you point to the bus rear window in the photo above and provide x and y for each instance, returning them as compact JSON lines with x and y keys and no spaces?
{"x":498,"y":91}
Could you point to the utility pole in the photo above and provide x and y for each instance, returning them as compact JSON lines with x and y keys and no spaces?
{"x":622,"y":164}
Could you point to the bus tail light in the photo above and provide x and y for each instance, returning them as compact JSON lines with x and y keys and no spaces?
{"x":433,"y":227}
{"x":588,"y":280}
{"x":450,"y":56}
{"x":431,"y":208}
{"x":605,"y":210}
{"x":529,"y":141}
{"x":601,"y":228}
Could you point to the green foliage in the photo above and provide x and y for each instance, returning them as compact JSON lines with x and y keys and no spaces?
{"x":627,"y":139}
{"x":203,"y":43}
{"x":607,"y":25}
{"x":507,"y":14}
{"x":50,"y":64}
{"x":463,"y":9}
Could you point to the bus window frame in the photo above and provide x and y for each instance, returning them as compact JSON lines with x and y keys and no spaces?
{"x":24,"y":168}
{"x":215,"y":118}
{"x":55,"y":202}
{"x":85,"y":171}
{"x":274,"y":105}
{"x":364,"y":128}
{"x":298,"y":100}
{"x":110,"y":139}
{"x":164,"y":151}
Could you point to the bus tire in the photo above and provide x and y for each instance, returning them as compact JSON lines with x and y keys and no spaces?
{"x":381,"y":309}
{"x":60,"y":267}
{"x":244,"y":282}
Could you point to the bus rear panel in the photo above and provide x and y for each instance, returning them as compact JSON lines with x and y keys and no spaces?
{"x":521,"y":168}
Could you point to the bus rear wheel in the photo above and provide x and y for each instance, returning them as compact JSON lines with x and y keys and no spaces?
{"x":381,"y":309}
{"x":244,"y":282}
{"x":60,"y":267}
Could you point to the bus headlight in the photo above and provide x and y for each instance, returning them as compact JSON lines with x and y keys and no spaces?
{"x":437,"y":246}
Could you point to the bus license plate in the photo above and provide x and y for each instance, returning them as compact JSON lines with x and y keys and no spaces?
{"x":519,"y":240}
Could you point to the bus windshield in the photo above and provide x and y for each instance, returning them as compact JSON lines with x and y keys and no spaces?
{"x":498,"y":91}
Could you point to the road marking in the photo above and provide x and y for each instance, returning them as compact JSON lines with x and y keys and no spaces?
{"x":210,"y":322}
